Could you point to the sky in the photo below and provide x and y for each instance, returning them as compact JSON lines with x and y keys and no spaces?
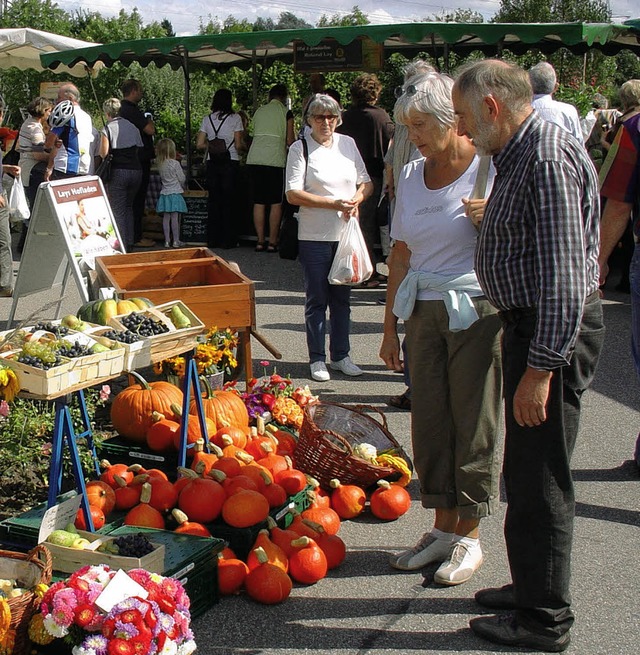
{"x":185,"y":15}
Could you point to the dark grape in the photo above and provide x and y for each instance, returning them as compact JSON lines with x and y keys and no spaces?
{"x":47,"y":326}
{"x":133,"y":545}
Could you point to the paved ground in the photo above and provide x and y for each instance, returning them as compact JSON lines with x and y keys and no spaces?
{"x":367,"y":608}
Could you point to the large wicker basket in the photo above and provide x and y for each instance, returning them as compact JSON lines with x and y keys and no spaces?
{"x":28,"y":570}
{"x":328,"y":436}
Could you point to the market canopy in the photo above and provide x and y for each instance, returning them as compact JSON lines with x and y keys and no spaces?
{"x":244,"y":49}
{"x":21,"y":48}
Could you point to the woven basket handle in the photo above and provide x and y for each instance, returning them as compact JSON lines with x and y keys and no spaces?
{"x":371,"y":408}
{"x":338,"y":437}
{"x":41,"y":557}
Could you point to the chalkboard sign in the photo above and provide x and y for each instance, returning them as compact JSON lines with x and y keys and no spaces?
{"x":193,"y":227}
{"x":361,"y":54}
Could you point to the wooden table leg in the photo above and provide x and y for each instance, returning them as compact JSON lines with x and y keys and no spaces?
{"x":245,"y":345}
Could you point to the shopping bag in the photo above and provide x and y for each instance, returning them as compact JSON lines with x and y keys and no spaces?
{"x":288,"y":239}
{"x":18,"y":206}
{"x":351,"y":263}
{"x":104,"y":169}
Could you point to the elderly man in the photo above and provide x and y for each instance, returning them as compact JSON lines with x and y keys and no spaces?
{"x":70,"y":144}
{"x":544,"y":83}
{"x":536,"y":261}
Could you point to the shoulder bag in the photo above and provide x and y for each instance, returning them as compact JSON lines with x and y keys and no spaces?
{"x":104,"y":169}
{"x":288,"y":239}
{"x":217,"y":147}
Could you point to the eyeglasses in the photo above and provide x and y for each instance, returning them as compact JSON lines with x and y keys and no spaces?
{"x":320,"y":118}
{"x":409,"y":90}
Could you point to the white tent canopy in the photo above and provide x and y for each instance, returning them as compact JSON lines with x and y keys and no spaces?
{"x":21,"y":48}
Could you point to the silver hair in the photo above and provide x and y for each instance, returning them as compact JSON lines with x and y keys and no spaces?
{"x":417,"y":67}
{"x":431,"y":95}
{"x":630,"y":94}
{"x":69,"y":92}
{"x":506,"y":82}
{"x":543,"y":78}
{"x":323,"y":104}
{"x":111,"y":107}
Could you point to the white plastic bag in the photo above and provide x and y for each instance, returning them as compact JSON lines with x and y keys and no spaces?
{"x":351,"y":264}
{"x":18,"y":206}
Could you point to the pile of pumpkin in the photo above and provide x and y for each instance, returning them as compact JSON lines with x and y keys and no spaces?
{"x":309,"y":547}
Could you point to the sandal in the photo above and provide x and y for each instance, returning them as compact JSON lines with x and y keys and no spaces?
{"x":260,"y":247}
{"x":273,"y":248}
{"x":371,"y":283}
{"x":401,"y":402}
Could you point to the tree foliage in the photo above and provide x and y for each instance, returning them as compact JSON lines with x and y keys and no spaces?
{"x":356,"y":17}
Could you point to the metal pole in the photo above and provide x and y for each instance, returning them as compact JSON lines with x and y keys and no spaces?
{"x":254,"y":80}
{"x":187,"y":111}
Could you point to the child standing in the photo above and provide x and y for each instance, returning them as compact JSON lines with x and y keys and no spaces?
{"x":171,"y":201}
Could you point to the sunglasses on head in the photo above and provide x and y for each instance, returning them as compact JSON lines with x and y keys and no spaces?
{"x":409,"y":90}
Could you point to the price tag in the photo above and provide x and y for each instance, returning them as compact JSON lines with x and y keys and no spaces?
{"x":58,"y":517}
{"x":119,"y":588}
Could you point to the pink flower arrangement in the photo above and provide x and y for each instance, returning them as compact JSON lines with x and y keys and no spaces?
{"x":156,"y":625}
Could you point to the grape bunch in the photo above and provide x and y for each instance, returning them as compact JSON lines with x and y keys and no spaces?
{"x":143,"y":325}
{"x":39,"y":355}
{"x":47,"y":326}
{"x":133,"y":545}
{"x":124,"y":336}
{"x":75,"y":349}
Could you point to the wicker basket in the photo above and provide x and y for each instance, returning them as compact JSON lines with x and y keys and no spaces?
{"x":328,"y":436}
{"x":29,"y":570}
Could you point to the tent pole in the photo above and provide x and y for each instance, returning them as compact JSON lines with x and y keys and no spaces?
{"x":187,"y":111}
{"x":254,"y":80}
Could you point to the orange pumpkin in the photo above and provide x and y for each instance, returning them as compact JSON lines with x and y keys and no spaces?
{"x":245,"y":508}
{"x":232,"y":573}
{"x":307,"y":563}
{"x":97,"y":516}
{"x":161,"y":434}
{"x":389,"y":501}
{"x":267,"y":583}
{"x":201,"y":500}
{"x":275,"y":554}
{"x":143,"y":515}
{"x":347,"y":500}
{"x":224,"y":408}
{"x":109,"y":471}
{"x":132,"y":408}
{"x":101,"y":495}
{"x":237,"y":435}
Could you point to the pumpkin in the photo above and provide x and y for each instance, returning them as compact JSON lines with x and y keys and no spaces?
{"x":185,"y":526}
{"x":201,"y":500}
{"x":281,"y":536}
{"x":224,"y":408}
{"x":132,"y":408}
{"x":163,"y":494}
{"x":389,"y":501}
{"x":245,"y":508}
{"x":160,"y":436}
{"x":286,"y":442}
{"x":325,"y":516}
{"x":307,"y":563}
{"x":101,"y":495}
{"x":110,"y":471}
{"x":237,"y":435}
{"x":97,"y":516}
{"x":275,"y":494}
{"x":203,"y":462}
{"x":143,"y":515}
{"x":267,"y":583}
{"x":334,"y":549}
{"x":194,"y":431}
{"x":348,"y":500}
{"x":303,"y":527}
{"x":127,"y":495}
{"x":275,"y":554}
{"x":232,"y":573}
{"x":238,"y":483}
{"x":293,"y":480}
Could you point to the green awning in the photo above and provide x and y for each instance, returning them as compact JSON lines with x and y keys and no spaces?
{"x":240,"y":49}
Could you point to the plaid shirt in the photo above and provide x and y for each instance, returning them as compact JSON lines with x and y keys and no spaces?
{"x":539,"y":240}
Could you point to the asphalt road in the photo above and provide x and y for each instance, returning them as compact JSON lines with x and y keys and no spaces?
{"x":367,"y":608}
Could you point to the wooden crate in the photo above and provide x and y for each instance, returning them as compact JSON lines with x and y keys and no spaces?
{"x":169,"y":344}
{"x":215,"y":292}
{"x":68,"y":560}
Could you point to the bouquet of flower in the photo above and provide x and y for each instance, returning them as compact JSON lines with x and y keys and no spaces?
{"x":213,"y":355}
{"x":156,"y":625}
{"x":277,"y":395}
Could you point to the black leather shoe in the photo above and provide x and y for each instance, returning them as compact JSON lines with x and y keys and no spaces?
{"x":503,"y":629}
{"x":497,"y":598}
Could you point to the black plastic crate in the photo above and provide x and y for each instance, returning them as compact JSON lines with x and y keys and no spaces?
{"x":119,"y":450}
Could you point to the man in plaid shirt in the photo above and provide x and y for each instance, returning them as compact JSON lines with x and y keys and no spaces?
{"x":536,"y":261}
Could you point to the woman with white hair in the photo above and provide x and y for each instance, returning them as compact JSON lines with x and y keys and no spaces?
{"x":452,"y":333}
{"x":327,"y":178}
{"x":122,"y":139}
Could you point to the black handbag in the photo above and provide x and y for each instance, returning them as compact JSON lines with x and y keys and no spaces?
{"x":104,"y":169}
{"x":288,"y":238}
{"x":12,"y":157}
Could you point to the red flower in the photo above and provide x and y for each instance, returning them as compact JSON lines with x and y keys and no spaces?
{"x":141,"y":646}
{"x":131,"y":616}
{"x":120,"y":647}
{"x":109,"y":628}
{"x":268,"y":399}
{"x":85,"y":614}
{"x":167,"y":606}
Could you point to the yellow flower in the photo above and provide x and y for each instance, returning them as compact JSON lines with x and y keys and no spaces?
{"x":9,"y":384}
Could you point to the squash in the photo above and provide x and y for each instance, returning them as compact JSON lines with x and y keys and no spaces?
{"x":267,"y":583}
{"x":389,"y":501}
{"x":245,"y":508}
{"x":348,"y":500}
{"x":133,"y":407}
{"x":202,"y":500}
{"x":143,"y":515}
{"x":232,"y":573}
{"x":101,"y":495}
{"x":275,"y":554}
{"x":160,"y":436}
{"x":100,"y":311}
{"x":224,"y":408}
{"x":307,"y":563}
{"x":185,"y":526}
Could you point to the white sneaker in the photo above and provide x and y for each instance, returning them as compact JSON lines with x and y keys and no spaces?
{"x":346,"y":366}
{"x":462,"y":563}
{"x":428,"y":550}
{"x":178,"y":244}
{"x":167,"y":244}
{"x":319,"y":372}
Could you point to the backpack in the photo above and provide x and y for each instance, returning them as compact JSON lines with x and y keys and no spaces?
{"x":217,"y":147}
